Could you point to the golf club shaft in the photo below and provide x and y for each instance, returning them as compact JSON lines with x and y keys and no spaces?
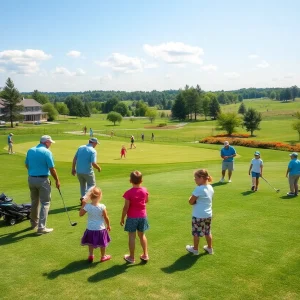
{"x":65,"y":206}
{"x":269,"y":184}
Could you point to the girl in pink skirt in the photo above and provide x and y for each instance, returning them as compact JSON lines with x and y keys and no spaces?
{"x":96,"y":235}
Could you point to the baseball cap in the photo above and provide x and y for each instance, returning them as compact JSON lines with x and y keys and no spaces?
{"x":226,"y":143}
{"x":295,"y":154}
{"x":46,"y":138}
{"x":256,"y":153}
{"x":94,"y":140}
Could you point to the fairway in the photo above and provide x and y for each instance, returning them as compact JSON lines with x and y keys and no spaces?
{"x":145,"y":153}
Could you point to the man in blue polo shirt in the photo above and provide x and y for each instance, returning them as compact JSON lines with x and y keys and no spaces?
{"x":227,"y":153}
{"x":39,"y":163}
{"x":293,"y":174}
{"x":84,"y":161}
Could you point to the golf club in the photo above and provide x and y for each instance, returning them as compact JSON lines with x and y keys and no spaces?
{"x":71,"y":223}
{"x":277,"y":190}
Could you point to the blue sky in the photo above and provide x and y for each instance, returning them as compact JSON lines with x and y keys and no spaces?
{"x":145,"y":45}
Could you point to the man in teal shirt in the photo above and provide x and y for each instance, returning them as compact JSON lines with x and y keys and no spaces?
{"x":293,"y":174}
{"x":39,"y":163}
{"x":227,"y":153}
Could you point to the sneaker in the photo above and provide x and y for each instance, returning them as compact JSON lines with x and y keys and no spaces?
{"x":129,"y":259}
{"x":221,"y":180}
{"x":91,"y":258}
{"x":105,"y":258}
{"x":144,"y":257}
{"x":208,"y":250}
{"x":290,"y":194}
{"x":192,"y":250}
{"x":229,"y":180}
{"x":44,"y":230}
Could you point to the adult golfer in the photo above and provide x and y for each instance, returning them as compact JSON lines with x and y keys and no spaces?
{"x":84,"y":161}
{"x":227,"y":153}
{"x":10,"y":143}
{"x":39,"y":163}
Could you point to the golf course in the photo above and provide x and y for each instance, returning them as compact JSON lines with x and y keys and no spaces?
{"x":255,"y":234}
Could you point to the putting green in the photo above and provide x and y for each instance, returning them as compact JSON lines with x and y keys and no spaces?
{"x":145,"y":153}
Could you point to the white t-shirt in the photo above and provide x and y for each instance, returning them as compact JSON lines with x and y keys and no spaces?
{"x":95,"y":217}
{"x":256,"y":163}
{"x":203,"y":206}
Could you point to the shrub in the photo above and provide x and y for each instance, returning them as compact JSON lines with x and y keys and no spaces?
{"x":162,"y":124}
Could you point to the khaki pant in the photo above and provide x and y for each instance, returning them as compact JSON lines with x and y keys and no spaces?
{"x":40,"y":193}
{"x":293,"y":181}
{"x":86,"y":181}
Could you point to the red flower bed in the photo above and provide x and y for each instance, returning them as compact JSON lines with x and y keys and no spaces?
{"x":234,"y":135}
{"x":251,"y":143}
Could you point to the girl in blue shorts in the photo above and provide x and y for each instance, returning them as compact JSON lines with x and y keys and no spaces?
{"x":257,"y":167}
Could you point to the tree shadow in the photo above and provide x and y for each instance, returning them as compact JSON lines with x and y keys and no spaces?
{"x":10,"y":238}
{"x":112,"y":272}
{"x":62,"y":209}
{"x":183,"y":263}
{"x":72,"y":267}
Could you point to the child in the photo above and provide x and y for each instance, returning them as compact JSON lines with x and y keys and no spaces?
{"x":256,"y":166}
{"x":136,"y":221}
{"x":96,"y":235}
{"x":123,"y":151}
{"x":201,"y":200}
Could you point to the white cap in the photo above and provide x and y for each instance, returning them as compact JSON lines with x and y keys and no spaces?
{"x":11,"y":134}
{"x":226,"y":143}
{"x":46,"y":138}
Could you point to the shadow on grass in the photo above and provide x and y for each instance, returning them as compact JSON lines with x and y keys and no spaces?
{"x":112,"y":272}
{"x":288,"y":197}
{"x":62,"y":209}
{"x":218,"y":183}
{"x":10,"y":238}
{"x":182,"y":263}
{"x":246,"y":193}
{"x":72,"y":267}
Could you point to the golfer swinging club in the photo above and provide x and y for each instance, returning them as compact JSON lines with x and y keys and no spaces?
{"x":84,"y":161}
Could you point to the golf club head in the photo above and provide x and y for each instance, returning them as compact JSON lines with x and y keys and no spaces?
{"x":277,"y":191}
{"x":74,"y":224}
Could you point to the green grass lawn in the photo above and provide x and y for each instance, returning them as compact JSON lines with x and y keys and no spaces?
{"x":257,"y":253}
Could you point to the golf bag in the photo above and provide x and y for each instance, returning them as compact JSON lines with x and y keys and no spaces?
{"x":12,"y":212}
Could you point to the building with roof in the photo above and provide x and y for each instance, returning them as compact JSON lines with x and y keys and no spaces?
{"x":32,"y":111}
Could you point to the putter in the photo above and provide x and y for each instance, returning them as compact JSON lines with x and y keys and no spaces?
{"x":277,"y":190}
{"x":71,"y":223}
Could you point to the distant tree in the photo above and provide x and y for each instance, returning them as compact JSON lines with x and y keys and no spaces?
{"x":114,"y":117}
{"x":273,"y":95}
{"x":110,"y":104}
{"x":222,"y":98}
{"x":163,"y":114}
{"x":121,"y":108}
{"x":179,"y":110}
{"x":242,"y":109}
{"x":141,"y":108}
{"x":252,"y":119}
{"x":285,"y":94}
{"x":75,"y":106}
{"x":50,"y":109}
{"x":11,"y":102}
{"x":296,"y":126}
{"x":39,"y":97}
{"x":228,"y":121}
{"x":240,"y":98}
{"x":297,"y":115}
{"x":214,"y":107}
{"x":294,"y":92}
{"x":205,"y":106}
{"x":86,"y":109}
{"x":192,"y":100}
{"x":62,"y":108}
{"x":151,"y":113}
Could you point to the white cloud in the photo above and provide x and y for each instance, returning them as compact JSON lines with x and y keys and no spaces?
{"x":263,"y":64}
{"x":65,"y":71}
{"x":168,"y":76}
{"x":149,"y":66}
{"x":289,"y":76}
{"x":232,"y":75}
{"x":22,"y":62}
{"x":103,"y":79}
{"x":2,"y":70}
{"x":209,"y":68}
{"x":74,"y":53}
{"x":125,"y":64}
{"x":253,"y":56}
{"x":175,"y":53}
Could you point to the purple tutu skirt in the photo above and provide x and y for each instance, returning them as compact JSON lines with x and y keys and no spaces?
{"x":95,"y":238}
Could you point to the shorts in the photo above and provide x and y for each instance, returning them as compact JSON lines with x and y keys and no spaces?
{"x":136,"y":224}
{"x":255,"y":175}
{"x":201,"y":226}
{"x":227,"y":165}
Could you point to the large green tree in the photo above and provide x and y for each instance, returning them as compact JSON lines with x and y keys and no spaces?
{"x":214,"y":107}
{"x":122,"y":109}
{"x":39,"y":97}
{"x":296,"y":126}
{"x":179,"y":110}
{"x":75,"y":106}
{"x":109,"y":105}
{"x":242,"y":109}
{"x":11,"y":102}
{"x":151,"y":113}
{"x":51,"y":110}
{"x":62,"y":108}
{"x":294,"y":92}
{"x":252,"y":119}
{"x":193,"y":102}
{"x":229,"y":121}
{"x":205,"y":106}
{"x":114,"y":117}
